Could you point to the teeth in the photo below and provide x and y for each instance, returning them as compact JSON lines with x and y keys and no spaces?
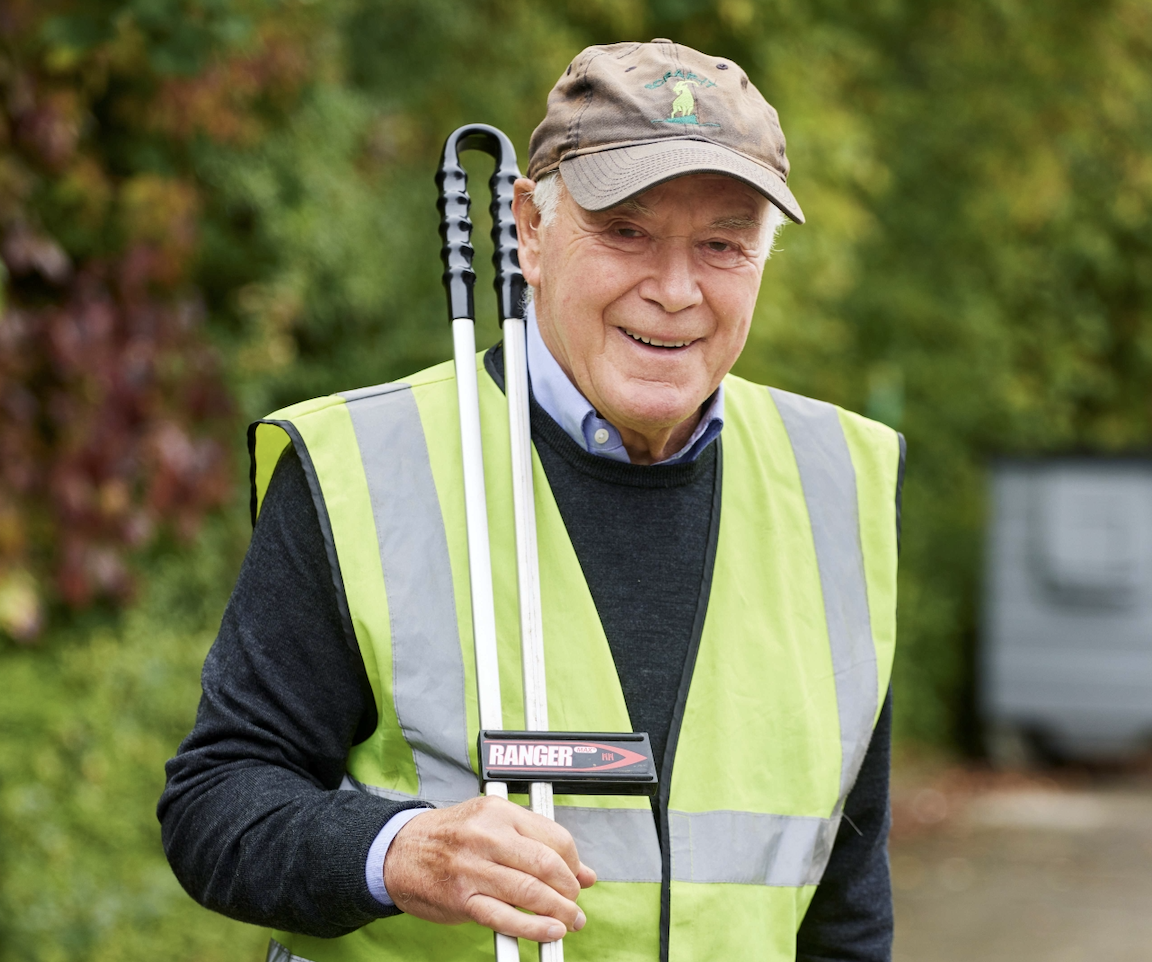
{"x":653,"y":341}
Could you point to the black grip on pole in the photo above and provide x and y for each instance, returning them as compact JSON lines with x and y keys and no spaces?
{"x":456,"y":229}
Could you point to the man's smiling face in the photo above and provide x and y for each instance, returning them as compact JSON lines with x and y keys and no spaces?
{"x":646,"y":306}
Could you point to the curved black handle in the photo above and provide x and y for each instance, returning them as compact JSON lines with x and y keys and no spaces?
{"x":456,"y":228}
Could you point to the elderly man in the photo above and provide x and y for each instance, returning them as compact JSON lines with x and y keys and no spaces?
{"x":718,"y":566}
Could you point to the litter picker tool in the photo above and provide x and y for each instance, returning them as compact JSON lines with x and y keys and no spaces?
{"x":531,"y":759}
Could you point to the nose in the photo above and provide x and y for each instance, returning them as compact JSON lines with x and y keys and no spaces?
{"x":672,"y":282}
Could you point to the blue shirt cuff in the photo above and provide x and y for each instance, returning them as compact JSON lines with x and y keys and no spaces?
{"x":378,"y":851}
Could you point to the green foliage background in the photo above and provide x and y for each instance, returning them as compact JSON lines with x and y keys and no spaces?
{"x":976,"y":270}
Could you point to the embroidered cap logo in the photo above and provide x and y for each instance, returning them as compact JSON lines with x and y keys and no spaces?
{"x":684,"y":106}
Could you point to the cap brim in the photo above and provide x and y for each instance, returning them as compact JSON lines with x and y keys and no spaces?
{"x":605,"y":178}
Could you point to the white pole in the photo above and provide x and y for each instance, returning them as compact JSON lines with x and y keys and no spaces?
{"x":479,"y":559}
{"x":527,"y":566}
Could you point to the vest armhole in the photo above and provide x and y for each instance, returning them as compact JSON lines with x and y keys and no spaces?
{"x":494,"y":364}
{"x":253,"y":497}
{"x":900,"y":487}
{"x":325,"y":530}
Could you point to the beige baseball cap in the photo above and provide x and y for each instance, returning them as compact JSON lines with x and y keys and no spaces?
{"x":625,"y":117}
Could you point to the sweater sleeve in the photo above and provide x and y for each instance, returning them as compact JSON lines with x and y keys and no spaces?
{"x":251,"y":819}
{"x":850,"y":917}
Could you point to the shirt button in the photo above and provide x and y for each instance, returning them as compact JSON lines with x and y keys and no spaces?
{"x":601,"y":436}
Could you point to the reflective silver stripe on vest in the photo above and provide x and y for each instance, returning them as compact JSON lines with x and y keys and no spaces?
{"x":427,"y":666}
{"x":278,"y":953}
{"x":829,"y":482}
{"x":749,"y":848}
{"x":620,"y":844}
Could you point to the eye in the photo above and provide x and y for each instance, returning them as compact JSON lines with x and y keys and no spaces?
{"x":629,"y":232}
{"x":719,"y":246}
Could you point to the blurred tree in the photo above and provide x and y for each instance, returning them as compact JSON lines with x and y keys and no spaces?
{"x":256,"y":176}
{"x":112,"y":395}
{"x":1001,"y":285}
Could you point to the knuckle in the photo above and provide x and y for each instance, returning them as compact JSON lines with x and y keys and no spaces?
{"x":542,"y":900}
{"x":481,"y":911}
{"x":525,"y":890}
{"x":489,"y":811}
{"x":567,"y":849}
{"x":551,"y":866}
{"x":560,"y":840}
{"x":489,"y":803}
{"x":568,"y":888}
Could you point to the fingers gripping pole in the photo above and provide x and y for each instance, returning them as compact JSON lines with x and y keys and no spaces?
{"x":459,"y":281}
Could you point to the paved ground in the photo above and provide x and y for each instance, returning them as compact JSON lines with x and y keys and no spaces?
{"x":1015,"y":868}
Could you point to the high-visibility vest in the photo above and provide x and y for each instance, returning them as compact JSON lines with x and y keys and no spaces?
{"x":792,"y":663}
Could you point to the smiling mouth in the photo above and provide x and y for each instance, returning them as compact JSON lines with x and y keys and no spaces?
{"x":654,"y":342}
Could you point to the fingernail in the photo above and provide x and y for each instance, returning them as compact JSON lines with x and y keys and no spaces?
{"x":555,"y":933}
{"x":581,"y":920}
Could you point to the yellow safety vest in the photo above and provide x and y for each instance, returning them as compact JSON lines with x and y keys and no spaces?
{"x":793,"y":659}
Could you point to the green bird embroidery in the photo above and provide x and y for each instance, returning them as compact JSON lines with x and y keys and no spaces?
{"x":685,"y":104}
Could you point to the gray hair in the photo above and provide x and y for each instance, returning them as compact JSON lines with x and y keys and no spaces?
{"x":546,"y":198}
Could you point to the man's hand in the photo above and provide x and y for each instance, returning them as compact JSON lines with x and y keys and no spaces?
{"x":482,"y":860}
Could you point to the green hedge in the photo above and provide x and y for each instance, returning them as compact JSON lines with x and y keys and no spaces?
{"x":86,"y":724}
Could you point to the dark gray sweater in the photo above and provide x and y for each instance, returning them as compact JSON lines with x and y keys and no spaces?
{"x":250,"y":821}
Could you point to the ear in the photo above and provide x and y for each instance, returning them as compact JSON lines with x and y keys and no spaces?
{"x":527,"y":229}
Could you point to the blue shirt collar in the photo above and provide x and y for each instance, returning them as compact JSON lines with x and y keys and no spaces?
{"x":561,"y":400}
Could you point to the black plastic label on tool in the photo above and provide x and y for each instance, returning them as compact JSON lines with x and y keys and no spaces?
{"x":576,"y":763}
